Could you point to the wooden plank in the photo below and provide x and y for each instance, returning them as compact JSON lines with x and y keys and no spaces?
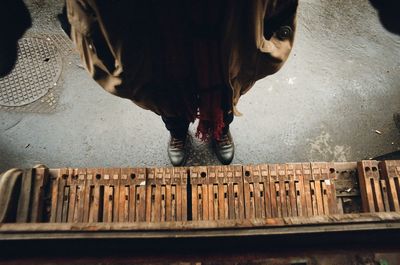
{"x":156,"y":204}
{"x":237,"y":192}
{"x":231,"y":200}
{"x":205,"y":203}
{"x":141,"y":195}
{"x":250,"y":172}
{"x":115,"y":176}
{"x":221,"y":202}
{"x":292,"y":189}
{"x":24,"y":199}
{"x":108,"y":185}
{"x":252,"y":210}
{"x":89,"y":190}
{"x":180,"y":183}
{"x":262,"y":201}
{"x":133,"y":203}
{"x":199,"y":177}
{"x":82,"y":175}
{"x":365,"y":189}
{"x":370,"y":222}
{"x":222,"y":196}
{"x":287,"y":198}
{"x":93,"y":185}
{"x":385,"y":195}
{"x":40,"y":180}
{"x":238,"y":208}
{"x":212,"y":200}
{"x":325,"y":197}
{"x":316,"y":171}
{"x":308,"y":206}
{"x":213,"y":196}
{"x":273,"y":180}
{"x":151,"y":195}
{"x":200,"y":203}
{"x":313,"y":198}
{"x":256,"y":198}
{"x":370,"y":186}
{"x":226,"y":201}
{"x":299,"y":186}
{"x":68,"y":197}
{"x":72,"y":187}
{"x":331,"y":188}
{"x":264,"y":178}
{"x":391,"y":174}
{"x":55,"y":184}
{"x":378,"y":197}
{"x":163,"y":205}
{"x":169,"y":201}
{"x":282,"y":179}
{"x":60,"y":193}
{"x":126,"y":196}
{"x":299,"y":193}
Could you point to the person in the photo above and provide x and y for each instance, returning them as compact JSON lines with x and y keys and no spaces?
{"x":184,"y":60}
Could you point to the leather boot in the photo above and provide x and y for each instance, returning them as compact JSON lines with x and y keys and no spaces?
{"x":177,"y":151}
{"x":224,"y":148}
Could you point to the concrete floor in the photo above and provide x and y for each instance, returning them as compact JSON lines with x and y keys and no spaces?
{"x":341,"y":83}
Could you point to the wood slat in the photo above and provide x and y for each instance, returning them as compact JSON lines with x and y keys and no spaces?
{"x":370,"y":186}
{"x":306,"y":167}
{"x":217,"y":193}
{"x":390,"y":171}
{"x":40,"y":179}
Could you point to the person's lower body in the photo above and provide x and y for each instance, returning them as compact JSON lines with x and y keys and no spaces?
{"x":178,"y":144}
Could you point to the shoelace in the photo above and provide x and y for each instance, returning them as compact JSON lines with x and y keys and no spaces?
{"x":224,"y":140}
{"x":177,"y":143}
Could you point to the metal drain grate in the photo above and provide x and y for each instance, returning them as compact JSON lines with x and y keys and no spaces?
{"x":37,"y":70}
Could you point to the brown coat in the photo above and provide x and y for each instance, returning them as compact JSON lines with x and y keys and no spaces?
{"x":141,"y":51}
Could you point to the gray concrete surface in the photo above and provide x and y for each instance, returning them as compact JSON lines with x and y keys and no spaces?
{"x":340,"y":84}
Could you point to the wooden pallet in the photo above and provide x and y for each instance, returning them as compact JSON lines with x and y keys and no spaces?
{"x":379,"y":185}
{"x":207,"y":193}
{"x":213,"y":197}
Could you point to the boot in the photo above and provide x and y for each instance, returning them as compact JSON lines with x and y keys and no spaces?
{"x":224,"y":148}
{"x":178,"y":151}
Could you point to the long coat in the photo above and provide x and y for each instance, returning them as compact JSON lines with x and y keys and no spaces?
{"x":146,"y":50}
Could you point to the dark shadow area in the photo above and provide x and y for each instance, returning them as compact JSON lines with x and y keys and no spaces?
{"x":14,"y":21}
{"x":205,"y":248}
{"x":388,"y":14}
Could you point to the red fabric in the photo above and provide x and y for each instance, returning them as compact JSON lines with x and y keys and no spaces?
{"x":211,"y":118}
{"x":207,"y":59}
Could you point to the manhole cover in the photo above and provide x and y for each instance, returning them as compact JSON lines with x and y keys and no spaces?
{"x":37,"y":70}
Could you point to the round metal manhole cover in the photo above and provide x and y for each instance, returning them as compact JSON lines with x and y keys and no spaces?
{"x":37,"y":70}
